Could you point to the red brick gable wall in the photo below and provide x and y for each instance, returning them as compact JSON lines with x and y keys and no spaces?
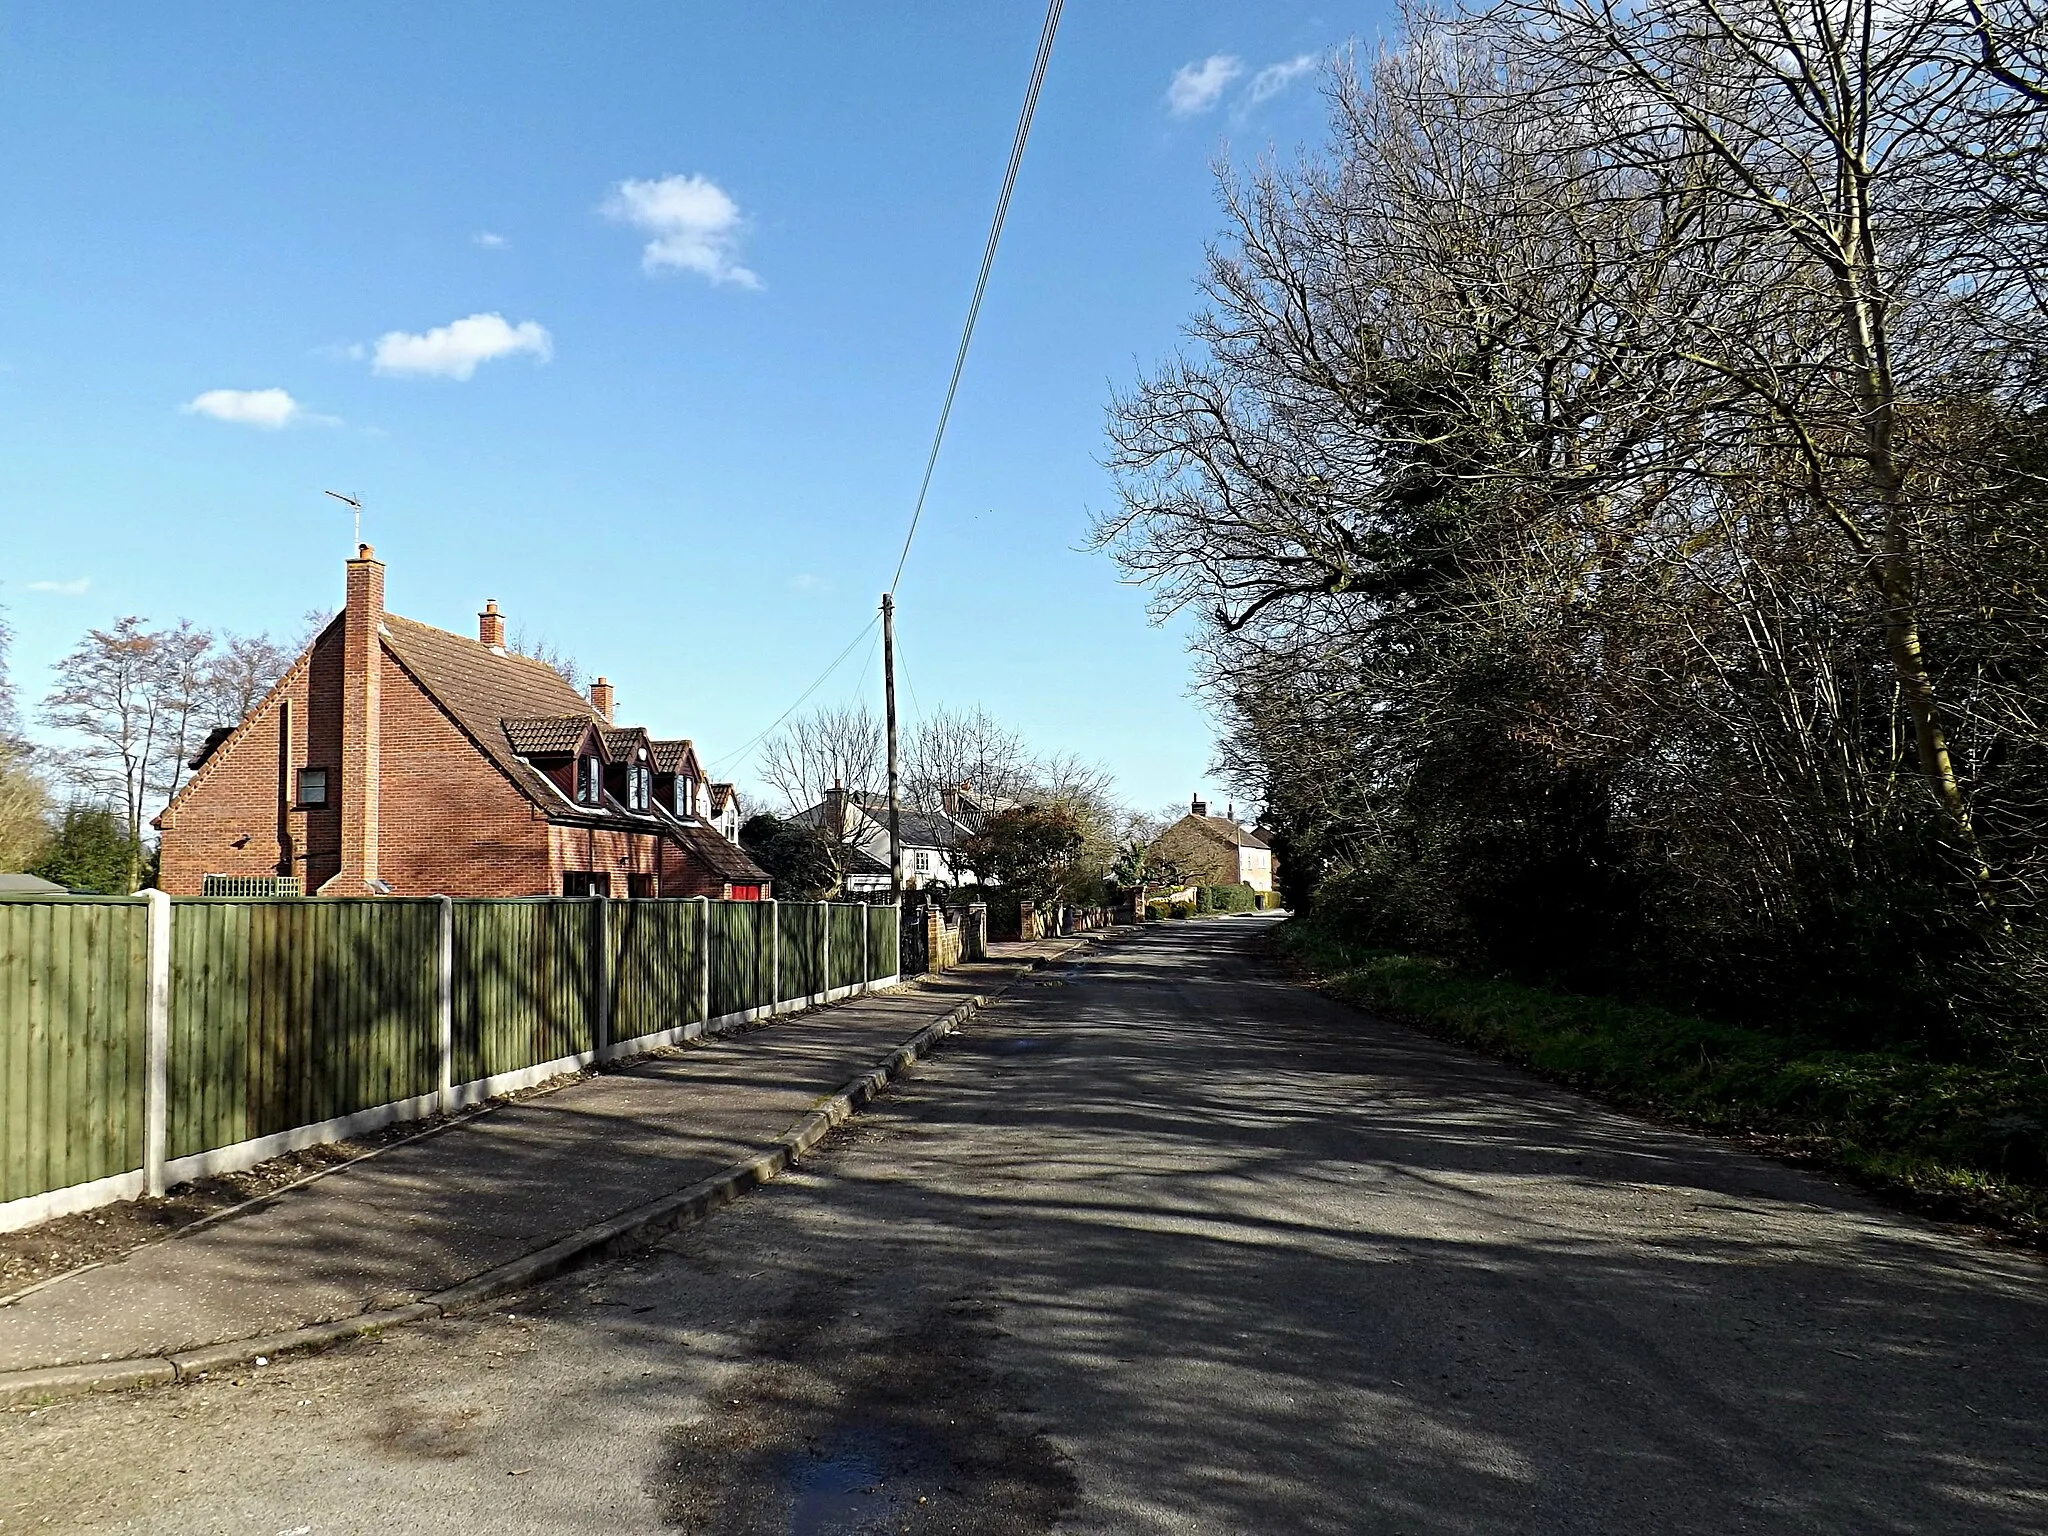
{"x":228,"y":818}
{"x":448,"y":823}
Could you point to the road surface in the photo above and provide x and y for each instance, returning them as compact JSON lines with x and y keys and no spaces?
{"x":1162,"y":1243}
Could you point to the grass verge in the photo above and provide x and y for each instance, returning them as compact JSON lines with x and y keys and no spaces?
{"x":1960,"y":1141}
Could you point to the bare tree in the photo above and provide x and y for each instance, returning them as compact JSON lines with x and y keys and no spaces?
{"x":955,"y":749}
{"x":836,"y":747}
{"x":179,"y":677}
{"x":540,"y":648}
{"x":1573,"y":471}
{"x":242,"y":670}
{"x":109,"y":695}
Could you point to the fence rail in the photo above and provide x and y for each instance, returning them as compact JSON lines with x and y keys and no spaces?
{"x":147,"y":1040}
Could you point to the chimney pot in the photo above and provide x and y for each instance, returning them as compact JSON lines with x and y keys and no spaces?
{"x":601,"y":699}
{"x":490,"y":625}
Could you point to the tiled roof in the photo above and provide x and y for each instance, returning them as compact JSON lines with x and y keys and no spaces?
{"x":546,"y":735}
{"x":721,"y":796}
{"x":727,"y":860}
{"x":1229,"y":831}
{"x":915,"y":828}
{"x":620,"y":740}
{"x":669,"y":756}
{"x":483,"y":690}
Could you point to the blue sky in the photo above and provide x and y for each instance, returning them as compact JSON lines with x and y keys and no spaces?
{"x":635,"y":318}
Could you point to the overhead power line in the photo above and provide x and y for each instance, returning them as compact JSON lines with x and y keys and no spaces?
{"x":816,"y":683}
{"x":988,"y":258}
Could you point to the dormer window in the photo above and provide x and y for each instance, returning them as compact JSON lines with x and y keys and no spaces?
{"x":639,"y":787}
{"x":589,"y":781}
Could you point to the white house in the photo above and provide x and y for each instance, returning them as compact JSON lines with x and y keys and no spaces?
{"x":930,"y":842}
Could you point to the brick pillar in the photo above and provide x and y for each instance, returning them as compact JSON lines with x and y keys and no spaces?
{"x":362,"y":667}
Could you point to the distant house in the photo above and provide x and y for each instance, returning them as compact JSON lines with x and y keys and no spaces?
{"x":12,"y":884}
{"x":861,"y":822}
{"x":394,"y":758}
{"x":1215,"y":850}
{"x":725,"y":811}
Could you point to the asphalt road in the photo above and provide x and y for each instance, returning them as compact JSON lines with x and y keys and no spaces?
{"x":1163,"y":1244}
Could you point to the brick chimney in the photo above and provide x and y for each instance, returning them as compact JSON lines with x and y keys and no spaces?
{"x":949,"y":799}
{"x":835,"y":810}
{"x":490,"y":626}
{"x":1198,"y":806}
{"x":601,"y":699}
{"x":362,"y":667}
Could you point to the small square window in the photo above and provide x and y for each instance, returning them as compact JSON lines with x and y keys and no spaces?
{"x":312,"y":786}
{"x":924,"y":862}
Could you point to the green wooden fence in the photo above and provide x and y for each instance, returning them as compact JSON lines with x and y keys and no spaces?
{"x":288,"y":1013}
{"x":525,"y":984}
{"x":281,"y":1015}
{"x":657,"y":965}
{"x":72,"y":1017}
{"x":884,"y":938}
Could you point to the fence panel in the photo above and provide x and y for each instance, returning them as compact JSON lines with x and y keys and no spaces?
{"x":883,"y":958}
{"x":286,"y":1013}
{"x":658,"y":957}
{"x":803,"y":949}
{"x":525,"y":983}
{"x":742,"y":956}
{"x":73,"y":979}
{"x":846,"y":952}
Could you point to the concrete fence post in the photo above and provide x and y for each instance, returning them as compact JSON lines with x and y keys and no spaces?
{"x":704,"y":949}
{"x":156,"y":1101}
{"x":601,"y":1021}
{"x":825,"y":981}
{"x":444,"y":1006}
{"x":774,"y":955}
{"x":867,"y":947}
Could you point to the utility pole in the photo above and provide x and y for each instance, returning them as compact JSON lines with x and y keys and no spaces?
{"x":889,"y":700}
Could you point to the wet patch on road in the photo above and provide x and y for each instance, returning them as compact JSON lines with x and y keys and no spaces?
{"x":838,"y":1425}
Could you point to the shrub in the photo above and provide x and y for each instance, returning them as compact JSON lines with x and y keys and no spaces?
{"x":1224,"y":898}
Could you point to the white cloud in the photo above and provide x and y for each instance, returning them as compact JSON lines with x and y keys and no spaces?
{"x":62,"y":588}
{"x":489,"y":241}
{"x":695,"y":225}
{"x":1198,"y":87}
{"x":452,"y":351}
{"x":267,"y":408}
{"x":1275,"y":78}
{"x":804,"y":581}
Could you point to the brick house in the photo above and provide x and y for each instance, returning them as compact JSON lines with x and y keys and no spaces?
{"x":394,"y":758}
{"x":1215,"y":850}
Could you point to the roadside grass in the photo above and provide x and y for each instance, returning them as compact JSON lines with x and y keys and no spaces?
{"x":1957,"y":1140}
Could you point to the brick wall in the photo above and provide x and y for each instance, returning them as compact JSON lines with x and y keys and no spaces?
{"x":618,"y":854}
{"x":238,"y":814}
{"x":449,"y":823}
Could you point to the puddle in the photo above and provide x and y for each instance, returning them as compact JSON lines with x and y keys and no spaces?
{"x":857,"y":1481}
